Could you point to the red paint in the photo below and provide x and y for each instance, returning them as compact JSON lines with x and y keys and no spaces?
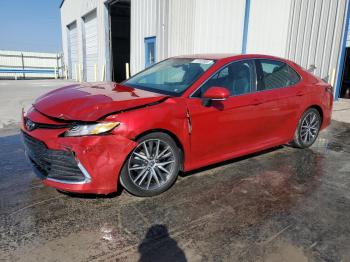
{"x":216,"y":92}
{"x":226,"y":129}
{"x":88,"y":102}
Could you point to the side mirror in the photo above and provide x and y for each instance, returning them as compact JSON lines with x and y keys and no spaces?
{"x":216,"y":93}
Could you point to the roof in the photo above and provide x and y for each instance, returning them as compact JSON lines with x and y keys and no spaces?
{"x":227,"y":56}
{"x":208,"y":56}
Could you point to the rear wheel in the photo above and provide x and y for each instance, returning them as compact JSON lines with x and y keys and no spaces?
{"x":152,"y":167}
{"x":308,"y":128}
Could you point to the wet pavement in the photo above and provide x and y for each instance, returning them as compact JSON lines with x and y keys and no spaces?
{"x":283,"y":204}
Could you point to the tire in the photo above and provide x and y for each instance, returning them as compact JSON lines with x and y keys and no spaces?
{"x":308,"y":129}
{"x":152,"y":167}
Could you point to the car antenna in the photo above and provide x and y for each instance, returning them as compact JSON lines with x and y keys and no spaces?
{"x":312,"y":68}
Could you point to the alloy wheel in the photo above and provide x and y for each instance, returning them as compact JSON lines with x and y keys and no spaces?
{"x":151,"y":164}
{"x":310,"y":127}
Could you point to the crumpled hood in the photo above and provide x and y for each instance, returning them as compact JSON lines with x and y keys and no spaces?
{"x":90,"y":102}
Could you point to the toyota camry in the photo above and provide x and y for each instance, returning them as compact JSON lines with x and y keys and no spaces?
{"x":178,"y":115}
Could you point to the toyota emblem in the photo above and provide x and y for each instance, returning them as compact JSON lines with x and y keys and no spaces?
{"x":30,"y":125}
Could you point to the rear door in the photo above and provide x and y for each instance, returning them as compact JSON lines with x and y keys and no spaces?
{"x":281,"y":88}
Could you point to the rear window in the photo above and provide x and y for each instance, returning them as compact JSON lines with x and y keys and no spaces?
{"x":276,"y":74}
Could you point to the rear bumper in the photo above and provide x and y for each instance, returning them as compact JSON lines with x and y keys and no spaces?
{"x":327,"y":110}
{"x":88,"y":164}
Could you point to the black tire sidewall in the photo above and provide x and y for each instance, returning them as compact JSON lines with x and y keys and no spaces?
{"x":128,"y":184}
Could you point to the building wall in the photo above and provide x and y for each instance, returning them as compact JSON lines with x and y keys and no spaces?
{"x":218,"y":26}
{"x":180,"y":29}
{"x":166,"y":20}
{"x":75,"y":11}
{"x":315,"y":34}
{"x":308,"y":32}
{"x":148,"y":18}
{"x":185,"y":27}
{"x":268,"y":27}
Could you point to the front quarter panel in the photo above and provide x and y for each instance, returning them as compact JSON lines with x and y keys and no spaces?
{"x":169,"y":116}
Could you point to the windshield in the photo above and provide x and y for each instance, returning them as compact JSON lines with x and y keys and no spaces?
{"x":172,"y":76}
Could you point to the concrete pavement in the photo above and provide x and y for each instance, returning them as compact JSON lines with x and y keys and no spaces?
{"x":341,"y":110}
{"x":15,"y":95}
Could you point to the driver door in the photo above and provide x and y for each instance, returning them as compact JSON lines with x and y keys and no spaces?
{"x":227,"y":128}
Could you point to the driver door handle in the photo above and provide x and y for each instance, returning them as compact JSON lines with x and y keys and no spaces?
{"x":300,"y":93}
{"x":257,"y":102}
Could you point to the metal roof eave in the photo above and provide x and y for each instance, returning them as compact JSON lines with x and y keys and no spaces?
{"x":61,"y":3}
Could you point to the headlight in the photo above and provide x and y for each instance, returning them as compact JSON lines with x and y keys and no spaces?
{"x":91,"y":129}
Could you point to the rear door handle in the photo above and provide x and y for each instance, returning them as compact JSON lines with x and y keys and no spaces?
{"x":300,"y":93}
{"x":257,"y":102}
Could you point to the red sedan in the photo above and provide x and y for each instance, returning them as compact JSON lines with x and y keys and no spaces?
{"x":178,"y":115}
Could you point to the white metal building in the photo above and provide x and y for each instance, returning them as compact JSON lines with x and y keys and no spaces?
{"x":101,"y":36}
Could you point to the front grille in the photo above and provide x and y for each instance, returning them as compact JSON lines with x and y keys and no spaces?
{"x":55,"y":164}
{"x":46,"y":126}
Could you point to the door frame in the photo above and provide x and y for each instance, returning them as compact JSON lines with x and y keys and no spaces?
{"x":342,"y":54}
{"x":148,"y":40}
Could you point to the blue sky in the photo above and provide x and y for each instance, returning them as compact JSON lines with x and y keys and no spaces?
{"x":30,"y":25}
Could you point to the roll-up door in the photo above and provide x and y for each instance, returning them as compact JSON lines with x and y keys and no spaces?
{"x":90,"y":47}
{"x":73,"y":54}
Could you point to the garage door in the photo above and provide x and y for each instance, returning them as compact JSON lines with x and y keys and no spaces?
{"x":73,"y":55}
{"x":90,"y":47}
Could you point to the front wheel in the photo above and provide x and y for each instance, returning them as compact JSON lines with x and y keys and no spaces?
{"x":152,"y":167}
{"x":308,"y":128}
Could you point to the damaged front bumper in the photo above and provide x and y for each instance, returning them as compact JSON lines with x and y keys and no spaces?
{"x":86,"y":164}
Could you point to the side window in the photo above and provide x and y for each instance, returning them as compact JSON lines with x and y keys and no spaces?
{"x":276,"y":74}
{"x":238,"y":78}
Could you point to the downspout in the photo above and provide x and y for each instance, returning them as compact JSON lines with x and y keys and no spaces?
{"x":246,"y":26}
